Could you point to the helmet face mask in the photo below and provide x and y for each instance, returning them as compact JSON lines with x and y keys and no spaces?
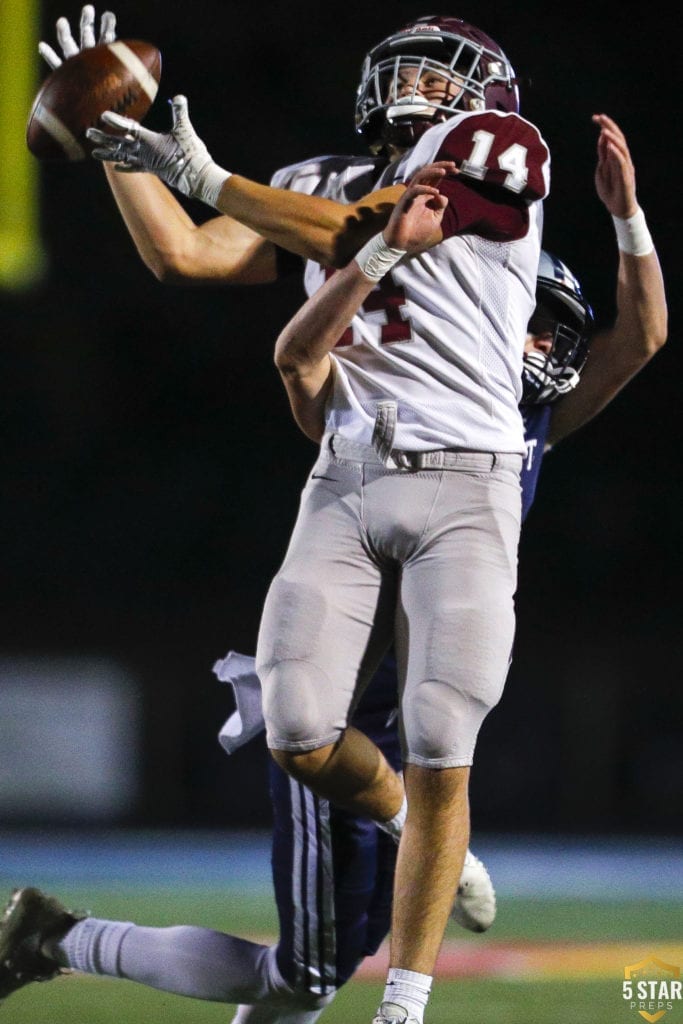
{"x":475,"y":72}
{"x":566,"y":319}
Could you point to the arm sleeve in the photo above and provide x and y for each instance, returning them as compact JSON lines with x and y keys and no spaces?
{"x":474,"y":208}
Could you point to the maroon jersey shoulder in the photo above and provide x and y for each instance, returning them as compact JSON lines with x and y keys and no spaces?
{"x":501,"y":150}
{"x":503,"y":164}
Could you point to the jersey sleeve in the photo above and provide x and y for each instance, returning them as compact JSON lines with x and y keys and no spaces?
{"x":476,"y":209}
{"x":504,"y":166}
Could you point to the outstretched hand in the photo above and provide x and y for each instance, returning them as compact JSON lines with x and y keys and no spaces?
{"x":615,"y":176}
{"x":178,"y":157}
{"x":68,"y":44}
{"x":415,"y":222}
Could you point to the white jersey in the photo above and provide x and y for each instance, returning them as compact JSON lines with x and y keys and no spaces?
{"x":442,"y":335}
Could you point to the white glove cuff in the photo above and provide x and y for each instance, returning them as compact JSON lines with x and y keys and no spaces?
{"x":376,"y":258}
{"x":210,"y":183}
{"x":633,"y":236}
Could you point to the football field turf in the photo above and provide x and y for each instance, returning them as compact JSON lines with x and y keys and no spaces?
{"x":547,"y":959}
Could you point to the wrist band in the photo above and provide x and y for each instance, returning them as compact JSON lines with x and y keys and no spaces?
{"x":210,"y":182}
{"x":633,"y":236}
{"x":376,"y":257}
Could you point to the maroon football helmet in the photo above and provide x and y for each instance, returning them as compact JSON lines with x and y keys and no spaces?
{"x":450,"y":48}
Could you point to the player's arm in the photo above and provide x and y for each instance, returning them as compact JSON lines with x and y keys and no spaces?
{"x":490,"y":199}
{"x":167,"y":239}
{"x":178,"y":251}
{"x":309,"y":226}
{"x":302,"y":350}
{"x":640,"y":329}
{"x":240,"y":246}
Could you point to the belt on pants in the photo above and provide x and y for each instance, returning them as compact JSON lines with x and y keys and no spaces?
{"x":440,"y":458}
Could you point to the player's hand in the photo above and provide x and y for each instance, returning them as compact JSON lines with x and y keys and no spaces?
{"x":68,"y":44}
{"x":415,"y":222}
{"x":178,"y":157}
{"x":615,"y":176}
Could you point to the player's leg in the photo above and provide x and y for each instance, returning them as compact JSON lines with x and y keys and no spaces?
{"x":456,"y":605}
{"x":303,"y":880}
{"x":351,"y":773}
{"x":332,"y":873}
{"x":474,"y":907}
{"x":364,"y":858}
{"x":327,"y":620}
{"x":39,"y":937}
{"x":430,"y":861}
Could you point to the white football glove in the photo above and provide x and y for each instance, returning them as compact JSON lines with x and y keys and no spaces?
{"x":87,"y":38}
{"x":178,"y":157}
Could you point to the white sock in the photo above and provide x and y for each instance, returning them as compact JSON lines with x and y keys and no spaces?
{"x":189,"y":961}
{"x":408,"y":989}
{"x":395,"y":825}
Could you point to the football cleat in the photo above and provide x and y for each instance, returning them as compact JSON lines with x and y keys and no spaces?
{"x":30,"y":919}
{"x":474,"y":906}
{"x":392,"y":1013}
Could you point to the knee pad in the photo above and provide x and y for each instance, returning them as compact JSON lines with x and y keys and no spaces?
{"x":300,"y":707}
{"x":462,"y":665}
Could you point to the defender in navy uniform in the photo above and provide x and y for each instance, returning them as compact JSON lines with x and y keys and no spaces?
{"x":556,"y":351}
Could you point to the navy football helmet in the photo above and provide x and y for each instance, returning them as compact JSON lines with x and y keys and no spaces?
{"x":477,"y":69}
{"x":563,"y":314}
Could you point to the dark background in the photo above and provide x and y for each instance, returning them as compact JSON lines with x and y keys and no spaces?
{"x":150,"y":469}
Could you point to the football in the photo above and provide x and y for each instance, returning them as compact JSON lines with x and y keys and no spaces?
{"x":121,"y":76}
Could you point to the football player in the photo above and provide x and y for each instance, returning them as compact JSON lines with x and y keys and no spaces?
{"x":402,"y":101}
{"x":333,"y":871}
{"x":326,"y":929}
{"x":409,"y":525}
{"x":296,"y":220}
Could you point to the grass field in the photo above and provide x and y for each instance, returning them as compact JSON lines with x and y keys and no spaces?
{"x":104,"y":1001}
{"x":585,"y":942}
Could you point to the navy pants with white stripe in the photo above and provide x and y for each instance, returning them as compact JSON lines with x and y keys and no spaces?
{"x":333,"y":876}
{"x":333,"y":871}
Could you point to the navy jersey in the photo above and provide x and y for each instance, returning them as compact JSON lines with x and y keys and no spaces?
{"x":536,"y":426}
